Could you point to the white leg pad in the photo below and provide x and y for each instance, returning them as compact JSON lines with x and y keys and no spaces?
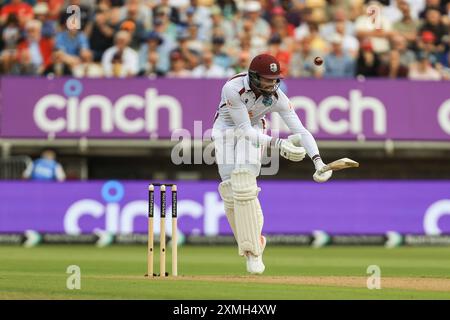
{"x":260,"y":218}
{"x":247,"y":211}
{"x":226,"y":193}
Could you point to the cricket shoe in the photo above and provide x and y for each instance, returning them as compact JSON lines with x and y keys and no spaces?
{"x":255,"y":264}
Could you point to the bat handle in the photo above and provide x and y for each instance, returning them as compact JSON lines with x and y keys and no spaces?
{"x":323,"y":169}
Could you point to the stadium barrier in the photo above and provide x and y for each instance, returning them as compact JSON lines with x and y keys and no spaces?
{"x":318,"y":239}
{"x":290,"y":207}
{"x":352,"y":110}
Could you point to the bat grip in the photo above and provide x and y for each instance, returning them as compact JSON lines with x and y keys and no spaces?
{"x":323,"y":169}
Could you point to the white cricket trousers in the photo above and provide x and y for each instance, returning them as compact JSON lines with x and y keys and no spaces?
{"x":234,"y":151}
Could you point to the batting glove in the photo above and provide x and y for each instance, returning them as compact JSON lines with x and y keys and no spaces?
{"x":289,"y":151}
{"x":318,"y":176}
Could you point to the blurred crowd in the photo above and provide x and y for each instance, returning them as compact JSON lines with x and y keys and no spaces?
{"x":218,"y":38}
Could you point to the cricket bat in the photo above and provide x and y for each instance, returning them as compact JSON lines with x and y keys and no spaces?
{"x":340,"y":164}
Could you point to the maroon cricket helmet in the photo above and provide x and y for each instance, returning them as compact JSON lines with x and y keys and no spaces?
{"x":266,"y":66}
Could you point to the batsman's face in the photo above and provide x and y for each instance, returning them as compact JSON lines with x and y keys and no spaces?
{"x":267,"y":84}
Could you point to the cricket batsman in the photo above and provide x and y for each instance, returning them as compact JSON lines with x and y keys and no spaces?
{"x":239,"y":136}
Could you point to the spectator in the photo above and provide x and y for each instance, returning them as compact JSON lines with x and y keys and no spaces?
{"x":339,"y":17}
{"x":427,"y":44}
{"x":422,"y":69}
{"x":193,"y":40}
{"x":399,"y":44}
{"x":302,"y":62}
{"x":100,"y":33}
{"x":115,"y":17}
{"x":164,"y":26}
{"x":11,"y":33}
{"x":106,"y":4}
{"x":221,"y":58}
{"x":281,"y":26}
{"x":178,"y":66}
{"x":120,"y":60}
{"x":416,"y":7}
{"x":138,"y":12}
{"x":368,"y":62}
{"x":54,"y":9}
{"x":208,"y":69}
{"x":256,"y":44}
{"x":434,"y":25}
{"x":71,"y":42}
{"x":283,"y":56}
{"x":431,"y":4}
{"x":318,"y":10}
{"x":250,"y":45}
{"x":22,"y":10}
{"x":292,"y":9}
{"x":41,"y":13}
{"x":221,"y":26}
{"x":39,"y":48}
{"x":87,"y":68}
{"x":174,"y":13}
{"x":150,"y":68}
{"x":407,"y":26}
{"x":243,"y":62}
{"x":338,"y":64}
{"x":58,"y":68}
{"x":231,"y":30}
{"x":446,"y":15}
{"x":179,"y":4}
{"x":134,"y":25}
{"x":168,"y":43}
{"x":349,"y":43}
{"x":378,"y":33}
{"x":24,"y":65}
{"x":190,"y":56}
{"x":317,"y":42}
{"x":45,"y":168}
{"x":393,"y":68}
{"x":391,"y":11}
{"x":357,"y":9}
{"x":10,"y":36}
{"x":229,"y":8}
{"x":200,"y":16}
{"x":153,"y":56}
{"x":252,"y":13}
{"x":136,"y":31}
{"x":306,"y":18}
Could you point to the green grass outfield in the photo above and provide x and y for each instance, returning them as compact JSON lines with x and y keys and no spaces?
{"x":216,"y":272}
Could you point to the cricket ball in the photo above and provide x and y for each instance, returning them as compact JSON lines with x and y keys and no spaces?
{"x":318,"y":61}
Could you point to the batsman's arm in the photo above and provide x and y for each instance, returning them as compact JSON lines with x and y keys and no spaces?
{"x":301,"y":135}
{"x":294,"y":124}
